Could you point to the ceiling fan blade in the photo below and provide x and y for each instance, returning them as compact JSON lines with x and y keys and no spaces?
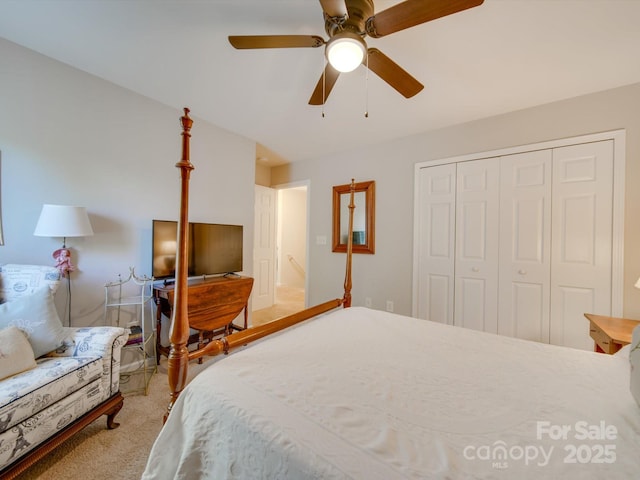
{"x":325,"y":84}
{"x":334,"y":8}
{"x":275,"y":41}
{"x":393,"y":74}
{"x":414,"y":12}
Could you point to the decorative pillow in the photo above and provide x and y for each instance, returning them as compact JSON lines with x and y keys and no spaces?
{"x":16,"y":354}
{"x":37,"y":317}
{"x":20,"y":280}
{"x":634,"y":358}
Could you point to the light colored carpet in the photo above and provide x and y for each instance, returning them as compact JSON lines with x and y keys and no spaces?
{"x":288,"y":300}
{"x":102,"y":454}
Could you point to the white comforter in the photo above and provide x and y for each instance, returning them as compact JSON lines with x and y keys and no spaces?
{"x":365,"y":394}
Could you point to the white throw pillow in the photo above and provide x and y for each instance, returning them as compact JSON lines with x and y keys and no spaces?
{"x":634,"y":358}
{"x":37,"y":317}
{"x":16,"y":354}
{"x":18,"y":280}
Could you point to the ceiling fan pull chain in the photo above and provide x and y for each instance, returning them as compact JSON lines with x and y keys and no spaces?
{"x":366,"y":88}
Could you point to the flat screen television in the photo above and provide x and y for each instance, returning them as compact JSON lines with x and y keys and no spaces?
{"x":213,"y":249}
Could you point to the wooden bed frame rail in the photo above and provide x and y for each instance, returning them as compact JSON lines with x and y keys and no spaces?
{"x":239,"y":339}
{"x":179,"y":355}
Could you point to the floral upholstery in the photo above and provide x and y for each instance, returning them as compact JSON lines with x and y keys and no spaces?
{"x":19,"y":280}
{"x":65,"y":384}
{"x":55,"y":378}
{"x":28,"y":434}
{"x":103,"y":342}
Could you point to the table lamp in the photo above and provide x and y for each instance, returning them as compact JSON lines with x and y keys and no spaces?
{"x":63,"y":221}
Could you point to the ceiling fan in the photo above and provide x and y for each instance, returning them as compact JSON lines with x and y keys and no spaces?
{"x":347,"y":22}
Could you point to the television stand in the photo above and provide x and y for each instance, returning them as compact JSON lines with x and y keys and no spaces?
{"x":212,"y":305}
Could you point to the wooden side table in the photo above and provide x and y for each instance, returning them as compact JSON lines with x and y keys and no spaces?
{"x":212,"y":305}
{"x":610,"y":334}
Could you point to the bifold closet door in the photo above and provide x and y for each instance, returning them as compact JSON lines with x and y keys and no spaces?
{"x":436,"y":250}
{"x":582,"y":222}
{"x":477,"y":226}
{"x":525,"y":245}
{"x":520,"y":245}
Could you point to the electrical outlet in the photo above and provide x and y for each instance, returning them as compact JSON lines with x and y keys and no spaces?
{"x":321,"y":240}
{"x":389,"y":305}
{"x":367,"y":302}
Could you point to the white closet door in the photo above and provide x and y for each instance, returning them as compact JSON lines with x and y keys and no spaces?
{"x":582,"y":239}
{"x":436,"y":250}
{"x":525,"y":245}
{"x":477,"y":226}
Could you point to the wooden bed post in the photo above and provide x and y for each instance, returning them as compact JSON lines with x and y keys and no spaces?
{"x":179,"y":355}
{"x":178,"y":360}
{"x":346,"y":299}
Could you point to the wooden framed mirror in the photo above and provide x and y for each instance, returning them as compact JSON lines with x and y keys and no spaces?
{"x":363,"y":217}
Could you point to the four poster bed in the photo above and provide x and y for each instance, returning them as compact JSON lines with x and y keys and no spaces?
{"x":363,"y":394}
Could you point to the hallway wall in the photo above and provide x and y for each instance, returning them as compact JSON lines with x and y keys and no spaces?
{"x":292,"y":237}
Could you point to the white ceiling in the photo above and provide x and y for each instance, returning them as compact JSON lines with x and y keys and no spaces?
{"x":502,"y":56}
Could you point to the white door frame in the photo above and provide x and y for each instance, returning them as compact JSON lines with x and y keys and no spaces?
{"x":619,"y":156}
{"x":307,"y":184}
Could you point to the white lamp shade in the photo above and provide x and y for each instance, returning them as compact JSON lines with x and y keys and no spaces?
{"x":637,"y":285}
{"x":63,"y":221}
{"x":346,"y":52}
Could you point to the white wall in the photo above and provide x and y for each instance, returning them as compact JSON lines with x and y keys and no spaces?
{"x":67,"y":137}
{"x":292,"y":248}
{"x":387,"y":275}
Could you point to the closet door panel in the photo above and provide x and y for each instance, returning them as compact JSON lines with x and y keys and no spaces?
{"x":569,"y":327}
{"x":439,"y":305}
{"x":582,"y":239}
{"x":437,"y":246}
{"x":476,"y":263}
{"x":530,"y":311}
{"x":471,"y":303}
{"x":525,"y":242}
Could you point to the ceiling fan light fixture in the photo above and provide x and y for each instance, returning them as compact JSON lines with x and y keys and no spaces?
{"x":346,"y":51}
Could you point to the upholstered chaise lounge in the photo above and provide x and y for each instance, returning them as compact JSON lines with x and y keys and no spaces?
{"x":54,"y":380}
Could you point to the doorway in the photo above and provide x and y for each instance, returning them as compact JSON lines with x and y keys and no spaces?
{"x":287,"y":249}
